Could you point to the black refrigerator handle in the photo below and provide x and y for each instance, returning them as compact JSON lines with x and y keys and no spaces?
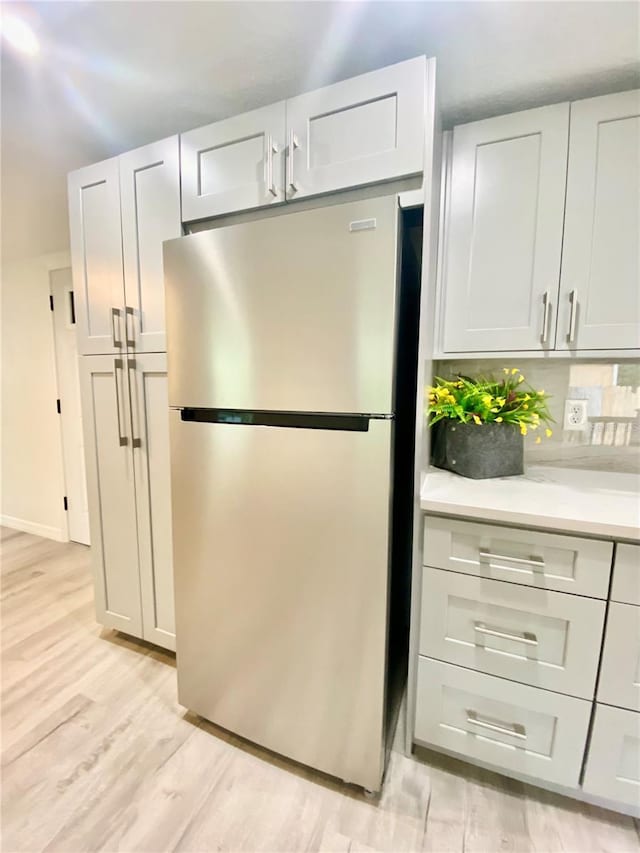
{"x":290,"y":420}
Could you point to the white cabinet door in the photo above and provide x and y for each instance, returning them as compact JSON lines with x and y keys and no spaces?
{"x":546,"y":639}
{"x":150,"y":431}
{"x":360,"y":131}
{"x":96,"y":254}
{"x":511,"y":726}
{"x":613,"y":765}
{"x":600,"y":283}
{"x":626,"y":574}
{"x":530,"y":557}
{"x":235,"y":164}
{"x":150,"y":201}
{"x":620,"y":668}
{"x":504,"y":231}
{"x":111,"y":488}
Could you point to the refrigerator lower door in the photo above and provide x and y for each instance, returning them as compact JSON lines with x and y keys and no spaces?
{"x":281,"y":552}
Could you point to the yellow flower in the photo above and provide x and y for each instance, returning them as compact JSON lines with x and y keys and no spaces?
{"x":476,"y":419}
{"x":514,"y":370}
{"x":535,"y":416}
{"x":538,"y":440}
{"x":525,"y":405}
{"x":534,"y":426}
{"x":521,"y":378}
{"x":500,"y":401}
{"x":548,"y":433}
{"x":487,"y":400}
{"x":523,"y":429}
{"x":505,"y":370}
{"x":541,"y":392}
{"x":498,"y":420}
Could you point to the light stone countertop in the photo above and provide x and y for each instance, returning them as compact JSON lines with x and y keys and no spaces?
{"x":596,"y":503}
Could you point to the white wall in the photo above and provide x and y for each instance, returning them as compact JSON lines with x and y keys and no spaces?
{"x":31,"y":473}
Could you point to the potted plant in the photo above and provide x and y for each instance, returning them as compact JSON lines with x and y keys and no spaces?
{"x":479,"y":424}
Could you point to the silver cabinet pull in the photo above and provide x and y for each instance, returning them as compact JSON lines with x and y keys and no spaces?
{"x":117,"y":365}
{"x":293,"y":144}
{"x":129,"y":312}
{"x":545,"y":317}
{"x":487,"y":556}
{"x":272,"y":149}
{"x":115,"y":315}
{"x":133,"y":401}
{"x":526,"y":638}
{"x":573,"y":316}
{"x":511,"y":729}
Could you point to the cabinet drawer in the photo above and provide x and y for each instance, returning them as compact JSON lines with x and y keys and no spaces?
{"x":547,"y":639}
{"x":613,"y":764}
{"x":620,"y":669}
{"x":512,"y":726}
{"x":626,"y":575}
{"x":545,"y":560}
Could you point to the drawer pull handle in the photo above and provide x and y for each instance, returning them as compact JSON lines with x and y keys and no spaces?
{"x":487,"y":556}
{"x":526,"y":638}
{"x":511,"y":729}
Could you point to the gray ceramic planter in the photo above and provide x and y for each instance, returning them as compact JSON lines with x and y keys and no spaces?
{"x":478,"y":451}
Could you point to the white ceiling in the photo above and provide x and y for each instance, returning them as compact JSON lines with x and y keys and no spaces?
{"x":114,"y":75}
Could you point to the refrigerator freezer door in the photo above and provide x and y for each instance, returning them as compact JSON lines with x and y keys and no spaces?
{"x":290,"y":313}
{"x":281,"y":541}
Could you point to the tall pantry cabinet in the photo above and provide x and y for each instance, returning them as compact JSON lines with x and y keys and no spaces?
{"x":121,"y":211}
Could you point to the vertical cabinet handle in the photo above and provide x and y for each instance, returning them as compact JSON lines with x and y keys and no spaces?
{"x":115,"y":316}
{"x":573,"y":316}
{"x":293,"y":144}
{"x":545,"y":317}
{"x":129,"y":312}
{"x":133,"y":385}
{"x":117,"y":365}
{"x":272,"y":149}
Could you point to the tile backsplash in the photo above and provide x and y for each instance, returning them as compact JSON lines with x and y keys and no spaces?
{"x":610,"y":440}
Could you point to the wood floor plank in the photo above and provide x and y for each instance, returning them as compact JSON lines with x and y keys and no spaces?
{"x":98,"y":755}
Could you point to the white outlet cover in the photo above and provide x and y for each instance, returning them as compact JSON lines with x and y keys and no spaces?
{"x":575,"y":414}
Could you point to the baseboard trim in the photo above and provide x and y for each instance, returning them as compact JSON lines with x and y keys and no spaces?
{"x":25,"y":526}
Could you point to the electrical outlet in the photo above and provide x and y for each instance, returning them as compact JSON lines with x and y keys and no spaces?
{"x":575,"y":414}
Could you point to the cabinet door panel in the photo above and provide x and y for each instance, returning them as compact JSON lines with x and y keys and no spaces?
{"x":96,"y":253}
{"x":613,"y":764}
{"x":150,"y":200}
{"x":620,"y":668}
{"x":235,"y":164}
{"x":546,"y":639}
{"x":359,"y":131}
{"x":511,"y":726}
{"x":504,"y":231}
{"x":111,"y":489}
{"x":150,"y":428}
{"x":600,"y":283}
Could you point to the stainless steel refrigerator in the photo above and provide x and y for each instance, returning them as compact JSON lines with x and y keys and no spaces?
{"x":282,"y":357}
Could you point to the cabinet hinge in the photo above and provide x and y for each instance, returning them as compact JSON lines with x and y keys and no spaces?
{"x":66,"y":503}
{"x":51,"y":301}
{"x":58,"y":406}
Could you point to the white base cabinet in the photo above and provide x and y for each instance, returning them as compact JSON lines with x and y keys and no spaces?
{"x":126,"y":424}
{"x":510,"y":647}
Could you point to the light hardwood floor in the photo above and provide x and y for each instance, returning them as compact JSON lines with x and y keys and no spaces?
{"x":98,"y":755}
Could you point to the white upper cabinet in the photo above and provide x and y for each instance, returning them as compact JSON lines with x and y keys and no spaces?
{"x":150,"y":202}
{"x":235,"y":164}
{"x":504,"y":232}
{"x":360,"y":131}
{"x":600,"y":285}
{"x":96,"y":253}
